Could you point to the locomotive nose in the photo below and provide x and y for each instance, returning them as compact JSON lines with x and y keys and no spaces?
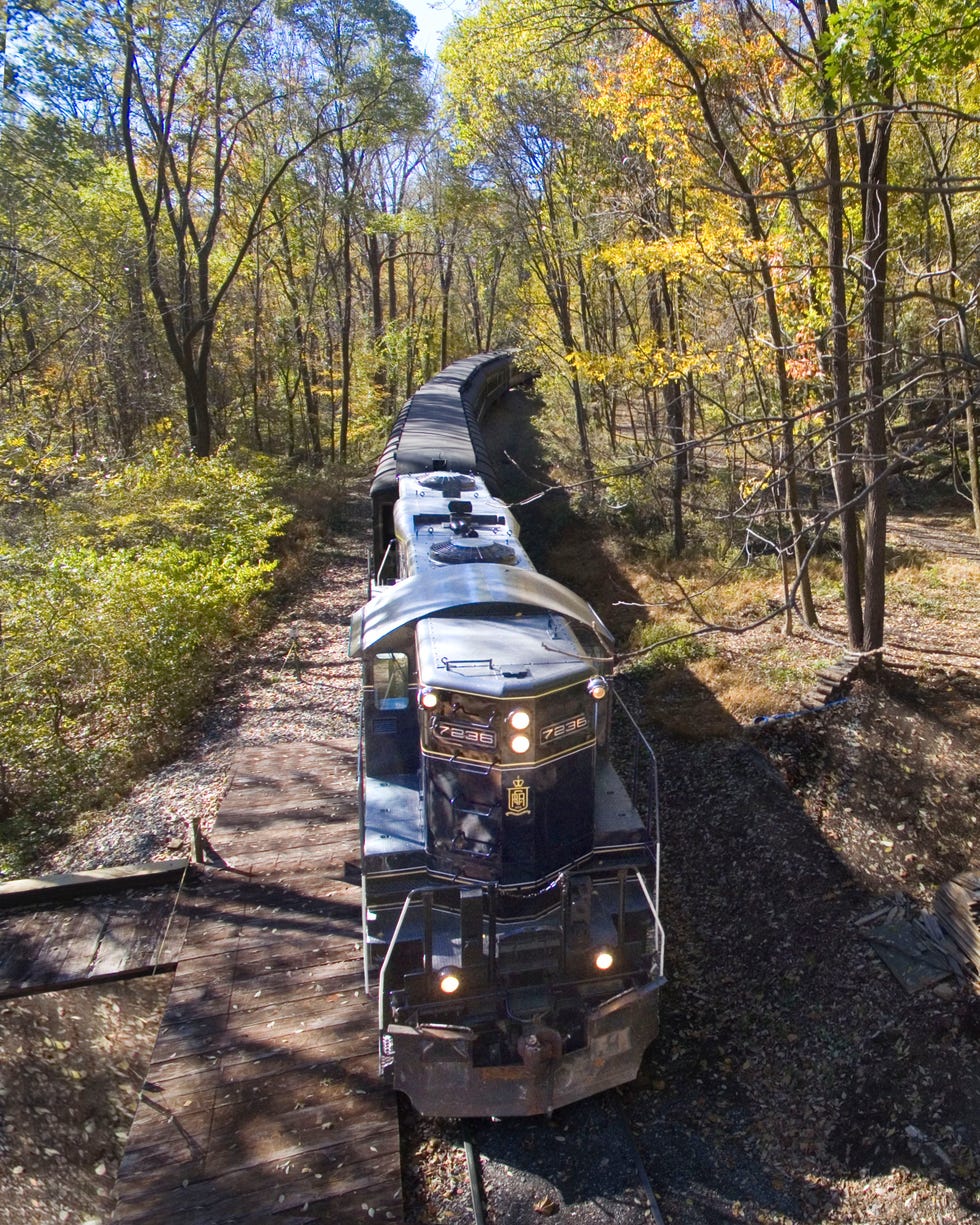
{"x":540,"y":1048}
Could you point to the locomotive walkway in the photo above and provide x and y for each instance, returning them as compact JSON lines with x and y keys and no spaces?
{"x":261,"y":1103}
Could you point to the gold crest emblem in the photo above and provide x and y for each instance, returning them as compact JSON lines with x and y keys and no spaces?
{"x":518,"y":797}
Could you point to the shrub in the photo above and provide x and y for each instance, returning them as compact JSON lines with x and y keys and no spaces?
{"x":113,"y":619}
{"x":680,"y":644}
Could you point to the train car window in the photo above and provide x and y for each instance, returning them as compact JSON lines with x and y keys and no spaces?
{"x":390,"y":677}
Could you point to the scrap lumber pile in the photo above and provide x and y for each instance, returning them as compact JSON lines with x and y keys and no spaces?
{"x":911,"y":944}
{"x":833,"y":682}
{"x":957,"y":907}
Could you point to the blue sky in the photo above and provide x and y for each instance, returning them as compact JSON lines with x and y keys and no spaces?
{"x":433,"y":18}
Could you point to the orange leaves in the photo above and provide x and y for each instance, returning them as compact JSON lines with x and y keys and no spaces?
{"x":648,"y":102}
{"x":803,"y":365}
{"x":650,"y":92}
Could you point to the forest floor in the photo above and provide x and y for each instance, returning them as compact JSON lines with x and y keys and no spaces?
{"x":795,"y":1080}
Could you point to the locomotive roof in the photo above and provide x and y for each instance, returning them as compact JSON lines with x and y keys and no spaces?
{"x":423,"y":524}
{"x":484,"y":589}
{"x":438,"y":428}
{"x":497,"y":656}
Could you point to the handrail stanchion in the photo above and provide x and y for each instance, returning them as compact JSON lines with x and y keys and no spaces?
{"x":391,"y":948}
{"x":659,"y":925}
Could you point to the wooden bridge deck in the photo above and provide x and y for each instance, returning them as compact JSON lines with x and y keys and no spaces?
{"x":68,"y":930}
{"x":262,"y":1103}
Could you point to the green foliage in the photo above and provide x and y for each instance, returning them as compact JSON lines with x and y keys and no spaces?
{"x":872,"y":41}
{"x":113,"y":618}
{"x":680,"y":644}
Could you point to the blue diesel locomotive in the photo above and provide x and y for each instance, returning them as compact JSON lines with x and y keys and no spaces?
{"x":510,"y":872}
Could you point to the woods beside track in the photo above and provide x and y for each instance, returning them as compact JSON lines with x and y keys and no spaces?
{"x":791,"y":1064}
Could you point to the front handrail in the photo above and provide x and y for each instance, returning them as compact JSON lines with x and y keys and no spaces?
{"x":658,"y":926}
{"x":644,"y":789}
{"x":378,"y":579}
{"x":415,"y":895}
{"x":382,"y":973}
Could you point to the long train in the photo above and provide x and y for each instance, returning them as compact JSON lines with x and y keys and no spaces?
{"x":511,"y":924}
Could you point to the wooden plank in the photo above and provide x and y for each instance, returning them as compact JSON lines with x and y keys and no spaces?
{"x":173,"y":936}
{"x":956,"y":908}
{"x":130,"y":936}
{"x":20,"y":941}
{"x":244,"y":1169}
{"x":265,"y":1194}
{"x":51,"y":888}
{"x":87,"y":938}
{"x":241,"y":1139}
{"x":268,"y":1043}
{"x":68,"y":951}
{"x":248,"y":1041}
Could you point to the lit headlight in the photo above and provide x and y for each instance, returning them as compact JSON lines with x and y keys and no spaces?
{"x":598,"y":688}
{"x":519,"y":720}
{"x":520,"y":744}
{"x":449,"y":980}
{"x":428,"y":698}
{"x":604,"y":960}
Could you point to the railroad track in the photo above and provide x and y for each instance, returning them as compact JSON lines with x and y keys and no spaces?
{"x":584,"y":1158}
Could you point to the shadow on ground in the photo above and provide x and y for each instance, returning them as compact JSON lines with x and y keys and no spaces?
{"x":794,"y":1079}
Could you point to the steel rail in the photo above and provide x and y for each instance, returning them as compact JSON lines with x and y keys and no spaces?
{"x":476,"y":1180}
{"x":637,"y":1160}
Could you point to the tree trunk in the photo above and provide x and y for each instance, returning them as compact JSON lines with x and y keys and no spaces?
{"x":840,"y":372}
{"x":311,"y":401}
{"x":678,"y":468}
{"x":346,"y":325}
{"x":873,"y":152}
{"x":198,"y":417}
{"x":446,"y":261}
{"x":558,"y":292}
{"x":971,"y":443}
{"x":674,"y":398}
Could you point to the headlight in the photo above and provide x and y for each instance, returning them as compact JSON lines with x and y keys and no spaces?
{"x":520,"y":744}
{"x":428,"y":698}
{"x":598,"y":688}
{"x":519,"y":720}
{"x":604,"y":960}
{"x":450,"y":980}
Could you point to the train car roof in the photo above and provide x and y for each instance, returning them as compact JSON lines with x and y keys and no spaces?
{"x":424,"y":525}
{"x":437,"y":428}
{"x":473,"y":588}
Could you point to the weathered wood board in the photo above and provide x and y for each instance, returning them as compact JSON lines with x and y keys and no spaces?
{"x":262,"y":1102}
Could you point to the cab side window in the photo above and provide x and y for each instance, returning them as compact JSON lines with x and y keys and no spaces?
{"x":390,"y":677}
